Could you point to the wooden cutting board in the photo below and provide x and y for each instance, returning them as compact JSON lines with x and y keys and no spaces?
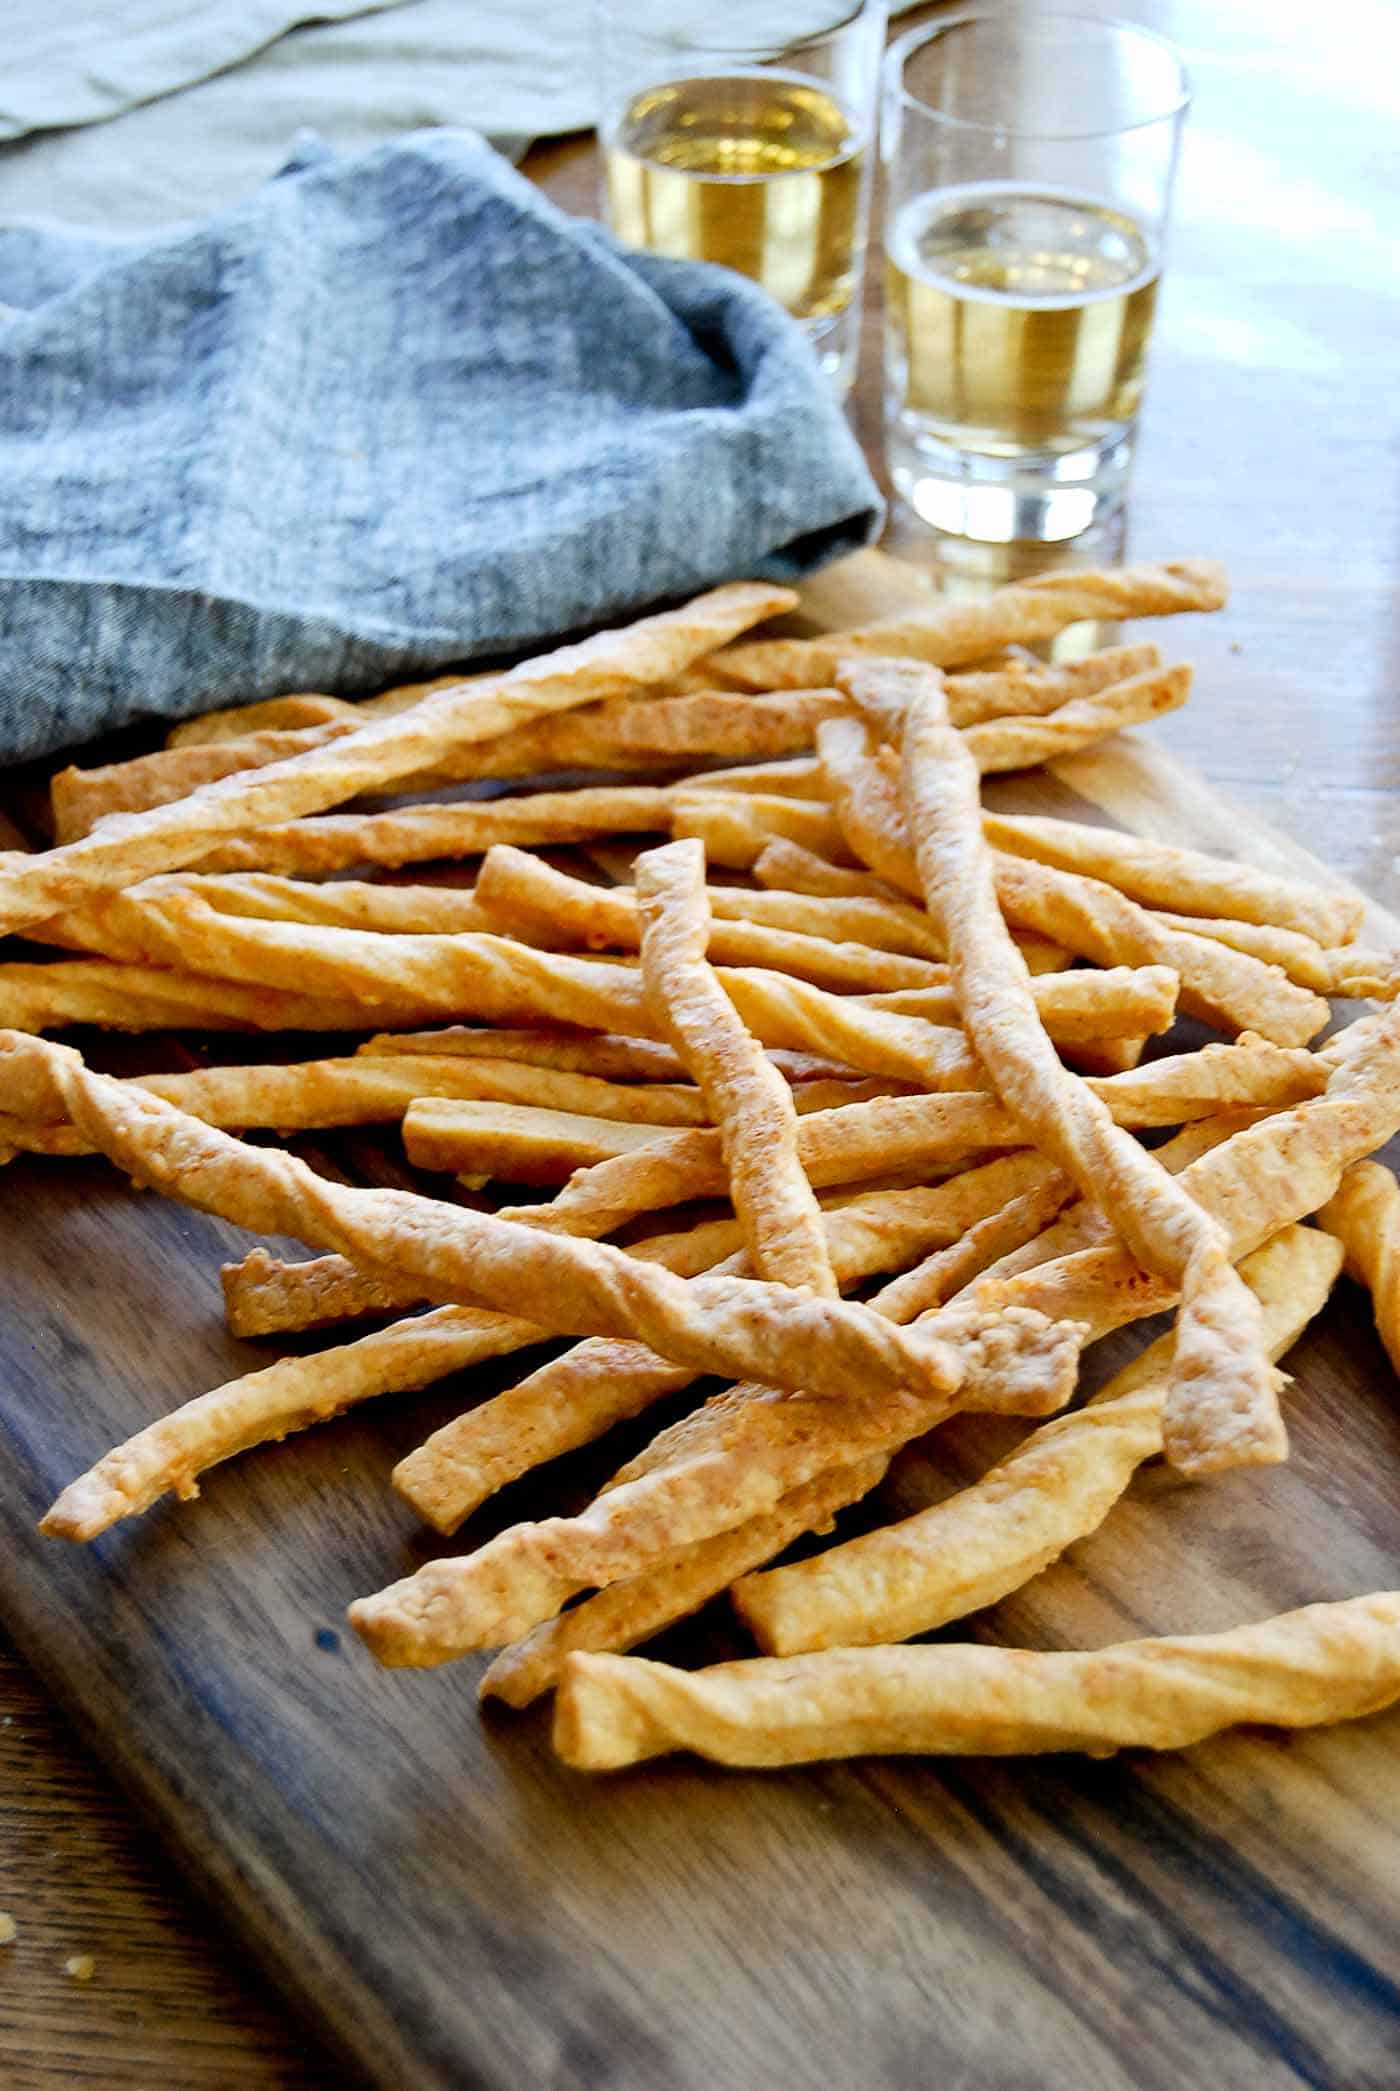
{"x":455,"y":1909}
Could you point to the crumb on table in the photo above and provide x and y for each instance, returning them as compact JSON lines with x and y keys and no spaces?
{"x":9,"y":1930}
{"x":81,"y":1966}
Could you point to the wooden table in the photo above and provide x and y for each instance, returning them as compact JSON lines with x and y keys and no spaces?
{"x":1268,"y":439}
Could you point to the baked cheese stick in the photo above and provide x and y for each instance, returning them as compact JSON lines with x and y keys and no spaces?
{"x":130,"y":846}
{"x":1327,"y":1662}
{"x":1057,"y":1486}
{"x":1364,"y":1215}
{"x":1224,"y":1390}
{"x":950,"y":634}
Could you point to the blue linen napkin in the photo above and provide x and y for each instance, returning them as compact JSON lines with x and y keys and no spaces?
{"x":390,"y":414}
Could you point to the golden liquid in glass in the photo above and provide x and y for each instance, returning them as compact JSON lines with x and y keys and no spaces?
{"x":1019,"y":318}
{"x":759,"y":171}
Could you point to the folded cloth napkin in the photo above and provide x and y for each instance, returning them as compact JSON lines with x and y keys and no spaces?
{"x":195,"y":101}
{"x":390,"y":414}
{"x":88,"y":60}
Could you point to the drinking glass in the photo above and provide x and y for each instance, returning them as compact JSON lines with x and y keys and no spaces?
{"x":743,"y":136}
{"x":1029,"y":160}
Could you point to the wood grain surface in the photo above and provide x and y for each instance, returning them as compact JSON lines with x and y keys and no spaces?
{"x":457,"y":1909}
{"x":1226,"y":1917}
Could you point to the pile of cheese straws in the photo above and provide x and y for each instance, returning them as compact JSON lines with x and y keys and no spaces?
{"x":893,"y":1011}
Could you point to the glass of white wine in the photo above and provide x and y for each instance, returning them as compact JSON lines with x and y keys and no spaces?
{"x":743,"y":136}
{"x":1029,"y":159}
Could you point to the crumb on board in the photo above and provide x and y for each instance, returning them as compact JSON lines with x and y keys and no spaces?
{"x":81,"y":1966}
{"x":9,"y":1930}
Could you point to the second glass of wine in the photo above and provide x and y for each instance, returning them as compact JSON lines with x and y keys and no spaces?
{"x":743,"y":136}
{"x":1029,"y":159}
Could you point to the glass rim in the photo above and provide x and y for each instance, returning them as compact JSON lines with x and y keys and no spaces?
{"x":927,"y":32}
{"x":607,"y":11}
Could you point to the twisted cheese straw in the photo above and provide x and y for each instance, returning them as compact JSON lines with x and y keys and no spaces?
{"x":410,"y":979}
{"x":152,"y":920}
{"x":1326,"y":1662}
{"x":1019,"y":744}
{"x":418,"y":834}
{"x":1224,"y":986}
{"x":120,"y":924}
{"x":1029,"y":690}
{"x":363,"y":1090}
{"x":626,"y":1613}
{"x":616,"y":734}
{"x":1222,"y":1408}
{"x":296,"y":1392}
{"x":1271,"y":1173}
{"x":1161,"y":875}
{"x":581,"y":1288}
{"x":1364,"y":1215}
{"x":414,"y":834}
{"x":747,"y":1100}
{"x":152,"y":998}
{"x":573,"y":1399}
{"x":526,"y":1574}
{"x":948,"y":634}
{"x":1057,"y":1486}
{"x":1021,"y":686}
{"x":269,"y":1297}
{"x":130,"y":846}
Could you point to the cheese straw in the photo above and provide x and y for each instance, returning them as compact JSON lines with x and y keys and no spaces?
{"x":519,"y":893}
{"x":1161,"y":875}
{"x":618,"y":734}
{"x":1223,"y":1386}
{"x":80,"y":798}
{"x":156,"y":998}
{"x":306,"y":708}
{"x":119,"y":925}
{"x":291,"y":1395}
{"x":1028,"y":690}
{"x":1228,"y":988}
{"x":1018,"y":744}
{"x":128,"y":847}
{"x":573,"y":1399}
{"x":1364,"y":1215}
{"x":1084,"y":1009}
{"x":575,"y":1287}
{"x":362,"y":1090}
{"x":1276,"y":1171}
{"x":747,"y":1099}
{"x":417,"y":834}
{"x":1057,"y":1486}
{"x":626,"y":1613}
{"x":581,"y":1052}
{"x":949,"y":634}
{"x":1327,"y":1662}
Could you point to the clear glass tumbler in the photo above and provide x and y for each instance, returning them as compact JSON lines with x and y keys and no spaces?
{"x":1029,"y":160}
{"x":744,"y":137}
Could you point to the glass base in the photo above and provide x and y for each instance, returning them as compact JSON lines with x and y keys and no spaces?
{"x":1043,"y":498}
{"x":836,"y":344}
